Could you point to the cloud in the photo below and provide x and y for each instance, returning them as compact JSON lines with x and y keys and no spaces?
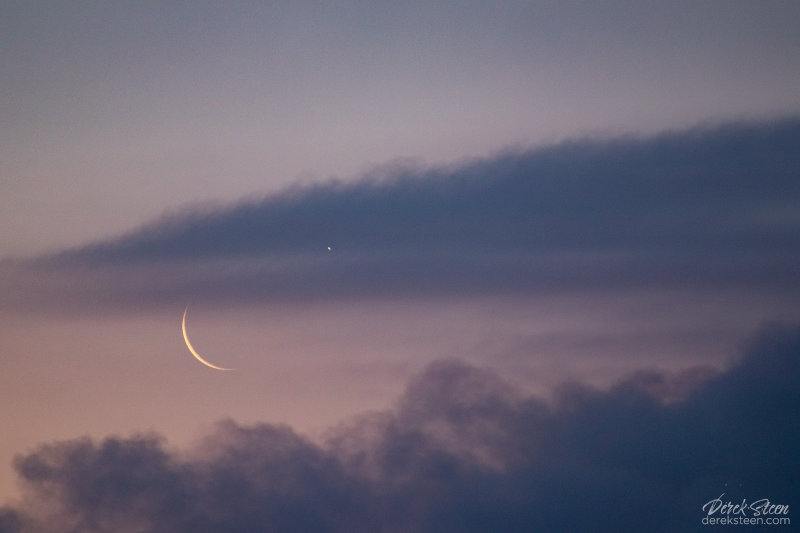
{"x":705,"y":207}
{"x":461,"y":451}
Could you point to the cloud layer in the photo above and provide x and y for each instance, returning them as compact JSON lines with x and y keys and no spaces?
{"x":715,"y":206}
{"x":461,"y":451}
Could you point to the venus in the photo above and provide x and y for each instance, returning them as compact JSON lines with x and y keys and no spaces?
{"x":191,"y":348}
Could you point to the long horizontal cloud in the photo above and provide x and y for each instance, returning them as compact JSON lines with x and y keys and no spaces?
{"x":715,"y":205}
{"x":461,"y":451}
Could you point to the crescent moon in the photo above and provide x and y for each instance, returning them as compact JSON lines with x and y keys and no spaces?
{"x":191,"y":348}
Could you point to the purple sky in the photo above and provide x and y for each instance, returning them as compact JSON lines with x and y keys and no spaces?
{"x":114,"y":113}
{"x":515,"y":195}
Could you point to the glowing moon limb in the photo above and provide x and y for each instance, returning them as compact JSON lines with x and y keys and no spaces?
{"x":191,"y":348}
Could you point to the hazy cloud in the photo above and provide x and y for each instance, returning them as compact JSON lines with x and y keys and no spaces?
{"x":461,"y":451}
{"x":710,"y":190}
{"x":714,"y":206}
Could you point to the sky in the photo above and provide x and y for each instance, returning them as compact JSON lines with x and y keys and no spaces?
{"x":475,"y":265}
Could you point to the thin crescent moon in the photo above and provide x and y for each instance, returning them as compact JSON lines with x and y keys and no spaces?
{"x":191,"y":348}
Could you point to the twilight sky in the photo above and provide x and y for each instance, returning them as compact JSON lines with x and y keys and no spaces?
{"x":448,"y":248}
{"x":114,"y":113}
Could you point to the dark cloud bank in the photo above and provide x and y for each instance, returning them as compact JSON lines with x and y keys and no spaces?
{"x":713,"y":206}
{"x":461,"y":451}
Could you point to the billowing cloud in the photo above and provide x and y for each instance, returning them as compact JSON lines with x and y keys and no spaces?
{"x":714,"y":206}
{"x":462,"y":450}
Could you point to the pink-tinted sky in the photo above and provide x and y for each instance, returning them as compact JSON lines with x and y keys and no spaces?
{"x":541,"y":192}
